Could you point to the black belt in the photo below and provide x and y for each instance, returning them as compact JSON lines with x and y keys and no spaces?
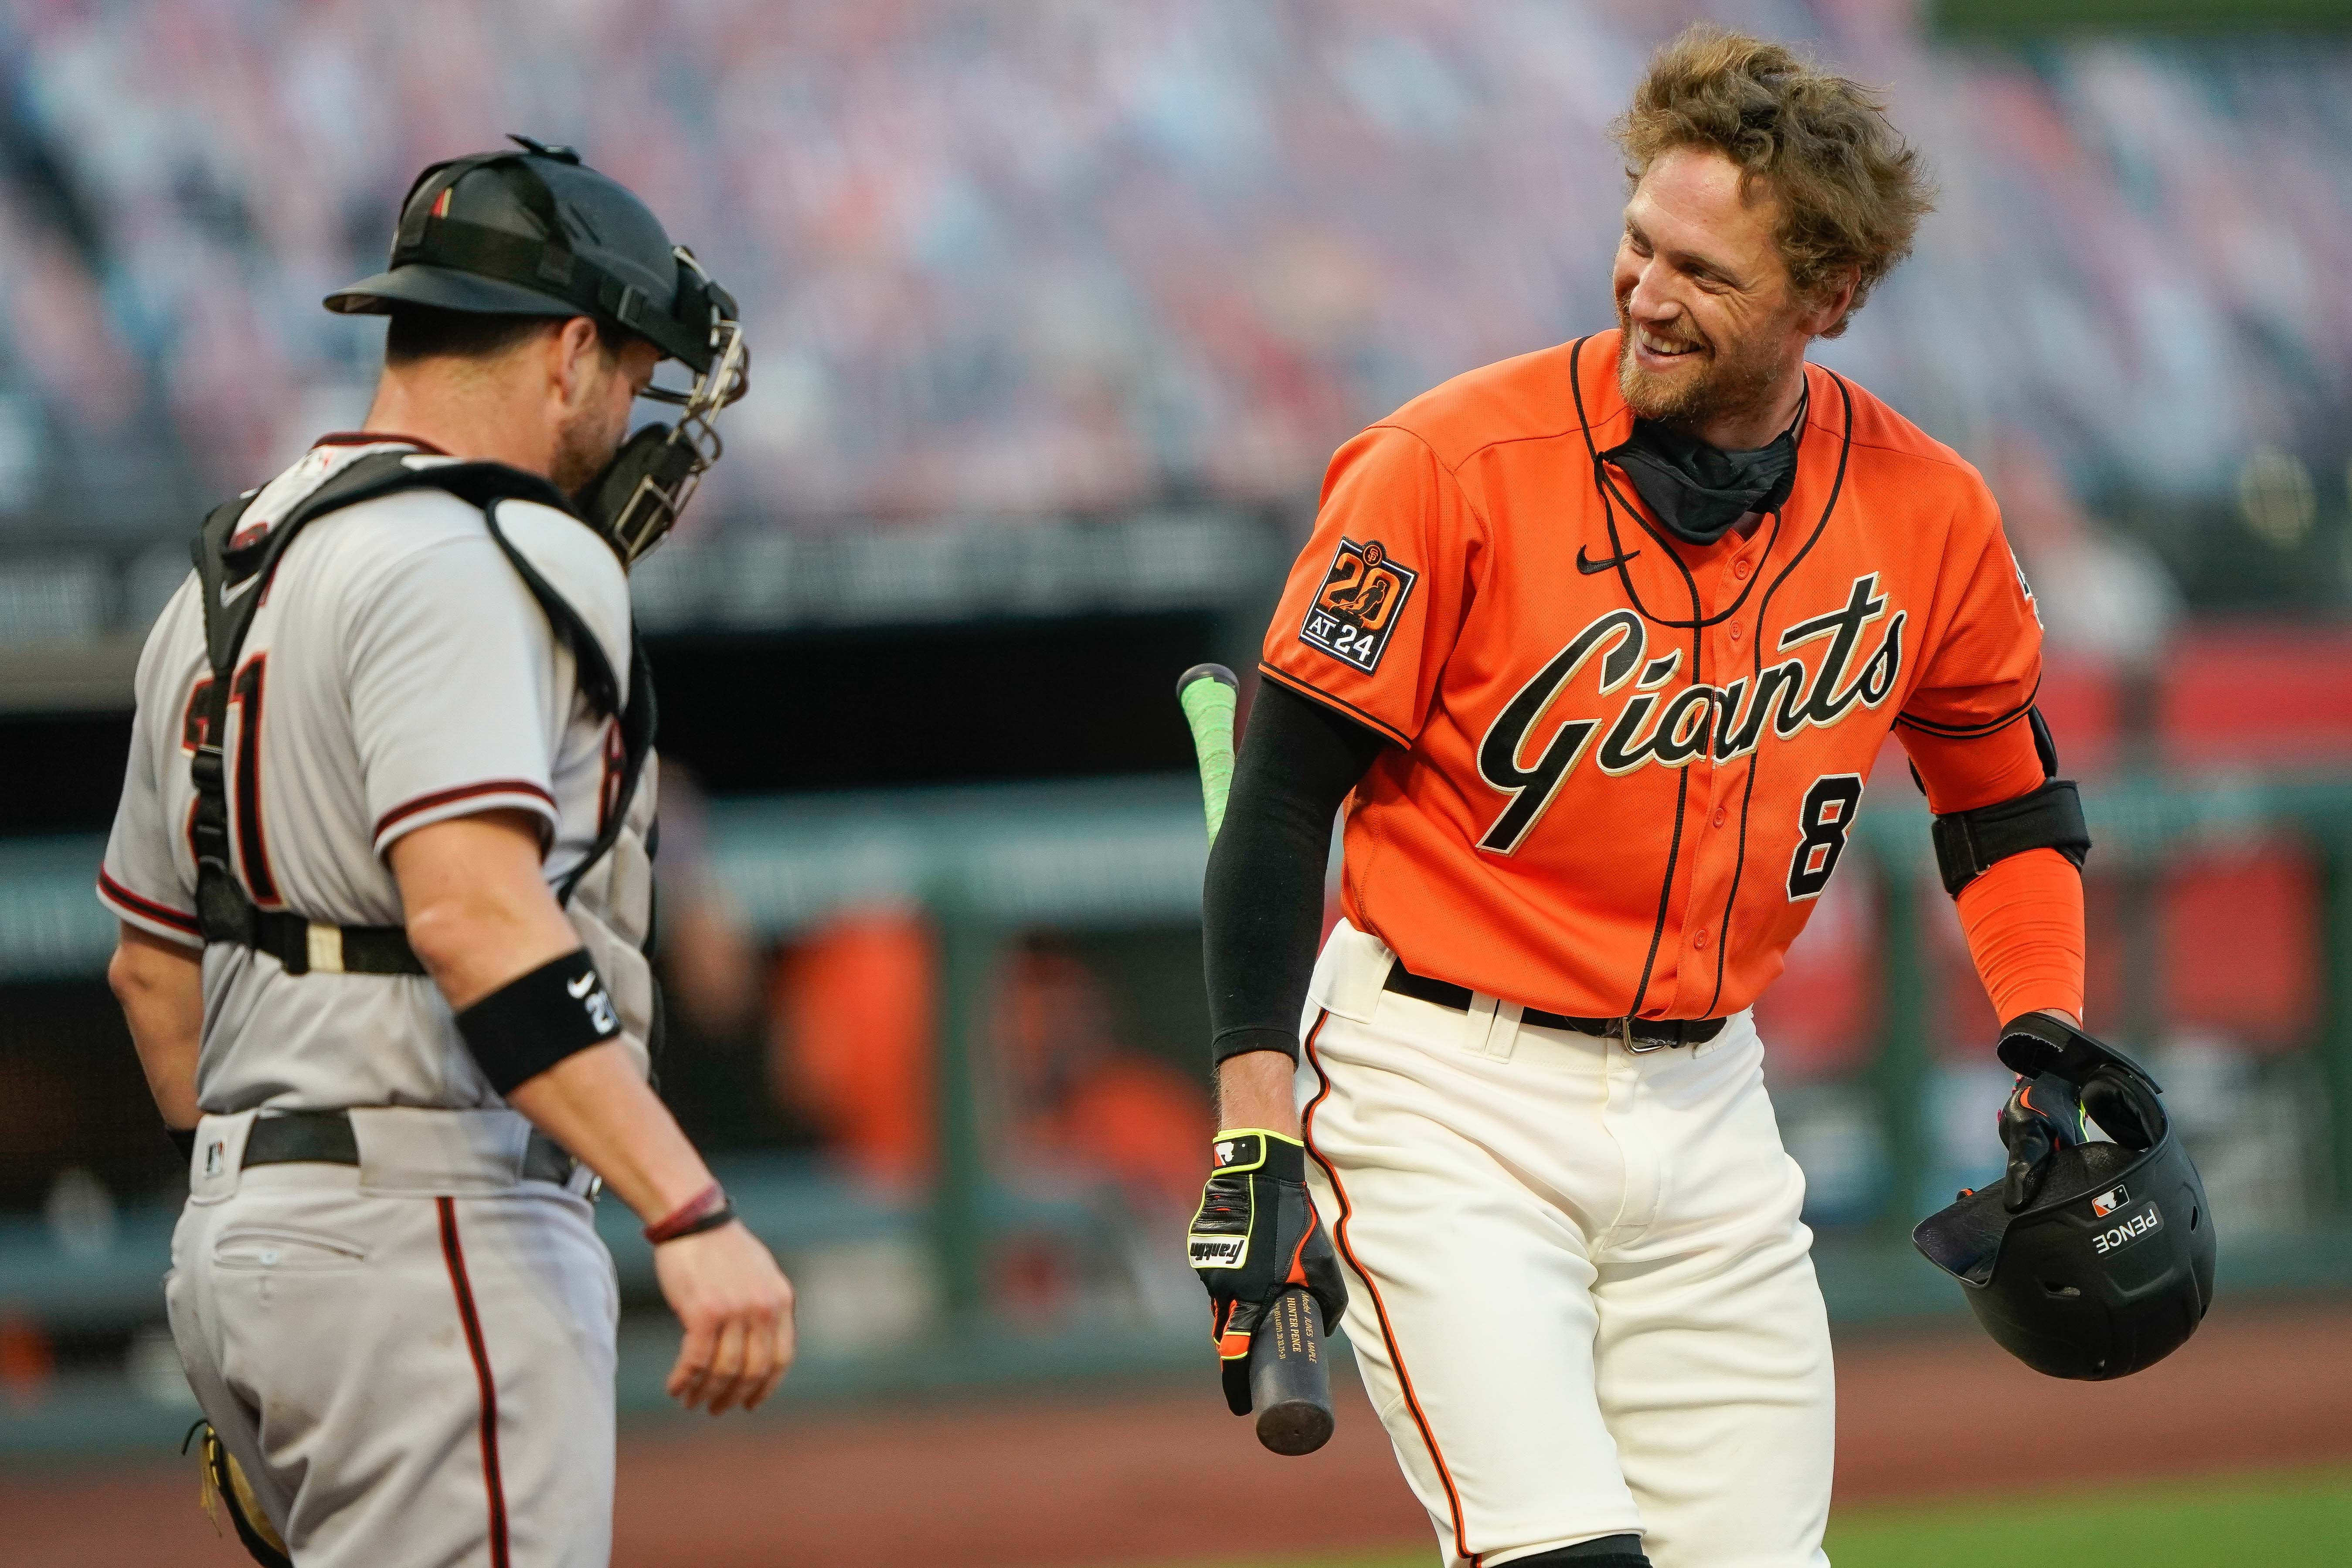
{"x":325,"y":1138}
{"x":1639,"y":1034}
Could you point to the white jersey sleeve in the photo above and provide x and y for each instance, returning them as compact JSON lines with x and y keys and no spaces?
{"x":149,"y":876}
{"x":453,"y":684}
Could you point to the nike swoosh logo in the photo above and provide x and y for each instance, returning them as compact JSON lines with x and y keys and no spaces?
{"x":1587,"y":565}
{"x":229,"y":595}
{"x":582,"y":986}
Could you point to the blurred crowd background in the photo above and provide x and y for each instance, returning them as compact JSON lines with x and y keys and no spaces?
{"x":1057,"y":311}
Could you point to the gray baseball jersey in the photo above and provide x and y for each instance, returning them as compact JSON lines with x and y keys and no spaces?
{"x":412,"y":1358}
{"x":398,"y":673}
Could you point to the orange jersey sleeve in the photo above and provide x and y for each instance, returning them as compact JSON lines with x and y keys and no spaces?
{"x":1965,"y":724}
{"x":1375,"y":600}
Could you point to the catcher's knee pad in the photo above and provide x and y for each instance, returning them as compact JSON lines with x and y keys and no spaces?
{"x":1609,"y":1551}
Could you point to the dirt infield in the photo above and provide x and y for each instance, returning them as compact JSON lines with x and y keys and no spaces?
{"x":1161,"y":1474}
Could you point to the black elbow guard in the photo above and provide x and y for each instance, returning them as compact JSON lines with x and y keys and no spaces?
{"x":1968,"y":842}
{"x":533,"y":1022}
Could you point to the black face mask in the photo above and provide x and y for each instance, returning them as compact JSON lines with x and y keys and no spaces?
{"x":1699,"y":491}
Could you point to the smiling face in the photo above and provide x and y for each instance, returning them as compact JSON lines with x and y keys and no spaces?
{"x":1715,"y":332}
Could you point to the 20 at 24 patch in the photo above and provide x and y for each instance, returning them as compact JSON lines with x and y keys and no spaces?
{"x":1363,"y":597}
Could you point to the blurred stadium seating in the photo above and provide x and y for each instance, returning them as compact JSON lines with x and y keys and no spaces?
{"x":1021,"y":259}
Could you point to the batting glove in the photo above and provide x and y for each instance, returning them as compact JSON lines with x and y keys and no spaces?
{"x":2044,"y":1115}
{"x":1256,"y":1235}
{"x":2048,"y":1113}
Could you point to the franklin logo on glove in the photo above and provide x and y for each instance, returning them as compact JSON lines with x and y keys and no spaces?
{"x":1218,"y":1251}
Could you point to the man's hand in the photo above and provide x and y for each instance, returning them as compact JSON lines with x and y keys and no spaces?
{"x":737,"y":1307}
{"x":1256,"y":1235}
{"x":2043,"y":1116}
{"x":2047,"y":1112}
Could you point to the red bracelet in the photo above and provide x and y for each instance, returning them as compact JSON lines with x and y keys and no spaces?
{"x":680,"y":1220}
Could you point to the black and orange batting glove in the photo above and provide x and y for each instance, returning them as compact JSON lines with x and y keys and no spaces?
{"x":1256,"y":1235}
{"x":2042,"y":1117}
{"x":2047,"y":1112}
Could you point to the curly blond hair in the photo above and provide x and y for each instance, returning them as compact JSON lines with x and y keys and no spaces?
{"x":1851,"y":190}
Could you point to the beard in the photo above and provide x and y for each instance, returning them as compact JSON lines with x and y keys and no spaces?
{"x":583,"y":450}
{"x":1731,"y":380}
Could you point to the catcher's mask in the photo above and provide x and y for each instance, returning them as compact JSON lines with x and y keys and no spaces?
{"x":535,"y":232}
{"x":2108,"y":1268}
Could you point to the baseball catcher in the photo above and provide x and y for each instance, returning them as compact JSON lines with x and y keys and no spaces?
{"x":382,"y":865}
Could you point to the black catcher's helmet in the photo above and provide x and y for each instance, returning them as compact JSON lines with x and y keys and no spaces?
{"x":2108,"y":1267}
{"x":535,"y":232}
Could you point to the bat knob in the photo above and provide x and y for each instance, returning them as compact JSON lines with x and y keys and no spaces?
{"x":1295,"y":1427}
{"x":1217,"y":672}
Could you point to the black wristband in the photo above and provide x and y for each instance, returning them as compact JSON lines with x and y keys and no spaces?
{"x":529,"y":1025}
{"x":184,"y":1139}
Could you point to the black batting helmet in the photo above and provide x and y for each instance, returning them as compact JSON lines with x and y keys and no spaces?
{"x":2108,"y":1267}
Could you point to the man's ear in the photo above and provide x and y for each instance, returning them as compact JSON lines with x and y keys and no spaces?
{"x":575,"y":356}
{"x":1829,"y":305}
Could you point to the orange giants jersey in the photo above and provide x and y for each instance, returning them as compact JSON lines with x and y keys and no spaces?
{"x":1625,"y":766}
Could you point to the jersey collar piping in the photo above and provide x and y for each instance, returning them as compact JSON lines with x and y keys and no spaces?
{"x":377,"y":438}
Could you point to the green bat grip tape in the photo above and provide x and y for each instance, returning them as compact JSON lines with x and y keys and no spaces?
{"x":1206,"y":693}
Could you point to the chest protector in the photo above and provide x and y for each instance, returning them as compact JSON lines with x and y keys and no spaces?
{"x":608,"y":896}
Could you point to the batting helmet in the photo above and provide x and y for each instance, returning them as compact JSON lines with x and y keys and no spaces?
{"x":2108,"y":1265}
{"x":535,"y":232}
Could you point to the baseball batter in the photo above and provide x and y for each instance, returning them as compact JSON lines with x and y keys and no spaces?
{"x":382,"y":868}
{"x":1598,"y":646}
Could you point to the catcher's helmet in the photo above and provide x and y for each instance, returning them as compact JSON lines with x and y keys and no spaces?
{"x":2108,"y":1267}
{"x":535,"y":232}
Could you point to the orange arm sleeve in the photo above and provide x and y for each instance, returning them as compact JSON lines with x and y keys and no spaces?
{"x":2024,"y":923}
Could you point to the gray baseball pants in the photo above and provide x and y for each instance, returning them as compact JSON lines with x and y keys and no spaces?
{"x":412,"y":1358}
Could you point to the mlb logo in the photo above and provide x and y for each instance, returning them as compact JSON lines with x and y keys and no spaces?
{"x":2108,"y":1201}
{"x":212,"y":1152}
{"x":1357,"y":608}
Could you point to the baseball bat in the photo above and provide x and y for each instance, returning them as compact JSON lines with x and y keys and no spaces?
{"x":1290,"y":1375}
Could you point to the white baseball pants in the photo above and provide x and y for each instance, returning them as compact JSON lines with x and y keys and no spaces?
{"x":1582,"y":1299}
{"x":410,"y":1377}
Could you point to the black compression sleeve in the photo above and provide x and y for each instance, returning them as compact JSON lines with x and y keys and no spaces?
{"x":1262,"y":910}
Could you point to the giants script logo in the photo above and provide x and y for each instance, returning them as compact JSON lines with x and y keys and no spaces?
{"x":1723,"y":722}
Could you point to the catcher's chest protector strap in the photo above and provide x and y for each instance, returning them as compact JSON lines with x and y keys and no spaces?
{"x":234,"y":566}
